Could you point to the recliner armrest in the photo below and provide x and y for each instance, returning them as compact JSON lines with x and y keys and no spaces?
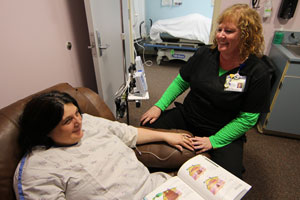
{"x":161,"y":155}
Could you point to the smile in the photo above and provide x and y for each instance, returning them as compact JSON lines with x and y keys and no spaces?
{"x":223,"y":43}
{"x":77,"y":130}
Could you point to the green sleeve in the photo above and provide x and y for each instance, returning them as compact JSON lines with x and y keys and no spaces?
{"x":233,"y":130}
{"x":176,"y":88}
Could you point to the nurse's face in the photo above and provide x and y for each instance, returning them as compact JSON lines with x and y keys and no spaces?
{"x":228,"y":38}
{"x":68,"y":131}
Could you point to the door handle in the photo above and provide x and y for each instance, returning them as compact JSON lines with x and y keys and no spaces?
{"x":100,"y":46}
{"x":104,"y":46}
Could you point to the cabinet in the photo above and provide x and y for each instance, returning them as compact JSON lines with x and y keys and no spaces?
{"x":283,"y":118}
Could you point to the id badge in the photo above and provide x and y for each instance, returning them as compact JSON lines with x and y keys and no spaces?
{"x":235,"y":83}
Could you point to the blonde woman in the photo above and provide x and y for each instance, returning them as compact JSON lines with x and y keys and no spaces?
{"x":229,"y":88}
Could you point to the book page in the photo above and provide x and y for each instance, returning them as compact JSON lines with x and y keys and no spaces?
{"x":212,"y":181}
{"x":173,"y":189}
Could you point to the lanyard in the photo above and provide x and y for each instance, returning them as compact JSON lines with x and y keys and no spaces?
{"x":235,"y":76}
{"x":241,"y":67}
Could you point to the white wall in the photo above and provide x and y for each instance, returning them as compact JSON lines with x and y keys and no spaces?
{"x":138,"y":15}
{"x":33,"y":53}
{"x":33,"y":35}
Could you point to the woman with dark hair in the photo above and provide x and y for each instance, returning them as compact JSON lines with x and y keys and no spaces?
{"x":35,"y":124}
{"x":229,"y":88}
{"x":70,"y":155}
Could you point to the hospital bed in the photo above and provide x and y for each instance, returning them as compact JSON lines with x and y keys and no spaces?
{"x":180,"y":37}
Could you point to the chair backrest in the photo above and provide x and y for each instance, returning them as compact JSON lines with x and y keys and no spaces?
{"x":272,"y":69}
{"x":88,"y":101}
{"x":274,"y":78}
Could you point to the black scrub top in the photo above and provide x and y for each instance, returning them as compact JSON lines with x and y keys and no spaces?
{"x":208,"y":106}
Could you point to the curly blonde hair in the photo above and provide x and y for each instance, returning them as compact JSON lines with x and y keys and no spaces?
{"x":248,"y":22}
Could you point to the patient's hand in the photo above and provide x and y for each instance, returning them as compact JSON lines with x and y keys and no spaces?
{"x":151,"y":115}
{"x":179,"y":140}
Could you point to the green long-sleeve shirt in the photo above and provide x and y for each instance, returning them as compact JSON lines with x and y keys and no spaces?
{"x":233,"y":130}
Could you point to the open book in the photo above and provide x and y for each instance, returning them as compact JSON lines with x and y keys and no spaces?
{"x":201,"y":178}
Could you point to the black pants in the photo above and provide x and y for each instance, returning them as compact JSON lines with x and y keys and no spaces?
{"x":229,"y":157}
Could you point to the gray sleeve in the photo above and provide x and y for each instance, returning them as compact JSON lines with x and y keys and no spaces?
{"x":127,"y":133}
{"x":36,"y":182}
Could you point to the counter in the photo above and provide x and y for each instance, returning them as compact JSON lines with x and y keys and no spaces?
{"x":283,"y":118}
{"x":286,"y":53}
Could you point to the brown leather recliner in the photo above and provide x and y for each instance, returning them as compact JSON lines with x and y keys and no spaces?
{"x":156,"y":155}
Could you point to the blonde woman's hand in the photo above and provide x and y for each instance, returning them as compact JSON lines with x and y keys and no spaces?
{"x":201,"y":144}
{"x":151,"y":115}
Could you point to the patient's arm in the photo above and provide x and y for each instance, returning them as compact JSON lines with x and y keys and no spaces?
{"x":174,"y":139}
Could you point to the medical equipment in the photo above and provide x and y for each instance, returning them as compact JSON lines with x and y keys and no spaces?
{"x":191,"y":27}
{"x":180,"y":37}
{"x":135,"y":89}
{"x":171,"y":50}
{"x":139,"y":64}
{"x":141,"y":87}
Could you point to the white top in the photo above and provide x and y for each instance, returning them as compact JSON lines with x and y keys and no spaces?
{"x":100,"y":166}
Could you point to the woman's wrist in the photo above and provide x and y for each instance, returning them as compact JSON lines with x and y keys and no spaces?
{"x":160,"y":106}
{"x":212,"y":141}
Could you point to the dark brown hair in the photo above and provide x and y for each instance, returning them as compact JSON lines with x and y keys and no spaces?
{"x":40,"y":116}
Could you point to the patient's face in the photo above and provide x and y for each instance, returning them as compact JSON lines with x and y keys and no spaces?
{"x":68,"y":131}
